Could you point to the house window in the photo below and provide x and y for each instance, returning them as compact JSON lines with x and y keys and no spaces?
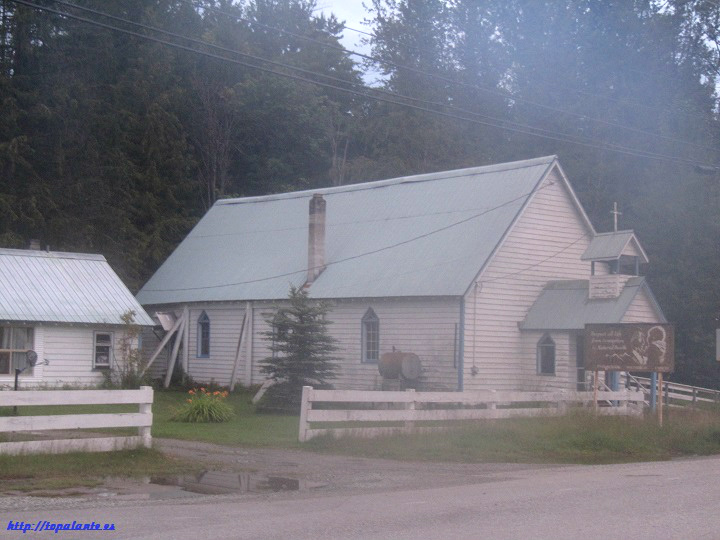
{"x":203,"y":336}
{"x":103,"y":350}
{"x":370,"y":337}
{"x":15,"y":342}
{"x":546,"y":356}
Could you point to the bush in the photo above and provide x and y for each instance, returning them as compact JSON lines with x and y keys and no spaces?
{"x":128,"y":370}
{"x":204,"y":406}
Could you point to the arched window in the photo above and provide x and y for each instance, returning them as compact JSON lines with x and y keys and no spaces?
{"x":546,"y":355}
{"x":203,"y":336}
{"x":370,"y":337}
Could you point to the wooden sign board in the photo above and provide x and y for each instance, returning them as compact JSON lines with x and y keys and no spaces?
{"x":630,"y":347}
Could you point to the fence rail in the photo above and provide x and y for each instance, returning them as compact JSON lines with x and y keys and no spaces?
{"x":141,"y":419}
{"x":410,"y":408}
{"x":676,"y":391}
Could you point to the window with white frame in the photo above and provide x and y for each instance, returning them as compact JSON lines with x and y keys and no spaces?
{"x":15,"y":342}
{"x":370,"y":337}
{"x":103,"y":350}
{"x":203,"y":336}
{"x":546,"y":356}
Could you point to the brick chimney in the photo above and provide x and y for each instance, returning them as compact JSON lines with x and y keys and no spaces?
{"x":316,"y":238}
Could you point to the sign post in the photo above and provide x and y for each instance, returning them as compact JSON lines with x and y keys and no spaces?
{"x":636,"y":347}
{"x":595,"y":389}
{"x":660,"y":403}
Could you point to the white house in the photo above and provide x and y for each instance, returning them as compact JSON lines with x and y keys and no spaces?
{"x":488,"y":274}
{"x":66,"y":307}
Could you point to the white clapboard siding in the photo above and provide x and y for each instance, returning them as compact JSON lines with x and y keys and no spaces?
{"x":225,"y":322}
{"x":150,"y":343}
{"x":641,"y":309}
{"x":545,"y":244}
{"x":424,"y":326}
{"x":69,"y":351}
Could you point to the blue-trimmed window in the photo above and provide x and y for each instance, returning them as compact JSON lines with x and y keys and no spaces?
{"x":203,"y":336}
{"x":546,"y":356}
{"x":370,"y":336}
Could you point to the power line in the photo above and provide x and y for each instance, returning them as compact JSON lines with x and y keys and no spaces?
{"x":342,"y":223}
{"x":500,"y":124}
{"x":510,"y":274}
{"x":631,"y":101}
{"x":504,"y":95}
{"x":569,"y":137}
{"x":359,"y":255}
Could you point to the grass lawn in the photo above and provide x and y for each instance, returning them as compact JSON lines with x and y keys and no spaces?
{"x":577,"y":438}
{"x":246,"y":429}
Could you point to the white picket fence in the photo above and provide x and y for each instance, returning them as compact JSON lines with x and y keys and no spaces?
{"x":141,"y":419}
{"x":414,"y":408}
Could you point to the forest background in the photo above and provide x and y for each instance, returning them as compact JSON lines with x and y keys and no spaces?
{"x":122,"y":122}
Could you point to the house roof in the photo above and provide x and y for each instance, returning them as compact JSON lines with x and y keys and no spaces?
{"x":425,"y":235}
{"x":57,"y":287}
{"x":610,"y":246}
{"x":565,"y":305}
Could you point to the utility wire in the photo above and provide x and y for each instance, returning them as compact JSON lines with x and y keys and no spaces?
{"x":424,"y":102}
{"x":360,"y":255}
{"x":631,"y":101}
{"x":504,"y":95}
{"x":527,"y":130}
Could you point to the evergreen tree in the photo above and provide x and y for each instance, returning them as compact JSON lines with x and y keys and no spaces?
{"x":301,"y":351}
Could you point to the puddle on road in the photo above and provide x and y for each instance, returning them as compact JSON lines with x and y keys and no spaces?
{"x":168,"y":487}
{"x":222,"y":483}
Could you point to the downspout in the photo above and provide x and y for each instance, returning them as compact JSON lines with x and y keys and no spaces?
{"x":461,"y":346}
{"x":249,"y":342}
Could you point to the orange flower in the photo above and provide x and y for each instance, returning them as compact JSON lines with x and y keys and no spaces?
{"x":189,"y":400}
{"x":215,"y":393}
{"x":191,"y":392}
{"x":202,"y":389}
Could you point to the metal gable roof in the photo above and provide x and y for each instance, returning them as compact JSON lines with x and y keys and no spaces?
{"x":425,"y":235}
{"x":610,"y":245}
{"x":75,"y":288}
{"x":564,"y":305}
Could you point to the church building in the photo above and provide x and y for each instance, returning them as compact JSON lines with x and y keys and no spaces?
{"x":487,"y":274}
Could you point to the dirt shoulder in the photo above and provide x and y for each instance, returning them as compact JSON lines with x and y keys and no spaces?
{"x":340,"y":473}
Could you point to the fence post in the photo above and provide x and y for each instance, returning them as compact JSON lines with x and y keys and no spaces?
{"x":146,"y":409}
{"x":562,"y":404}
{"x":410,"y":406}
{"x":304,"y":406}
{"x":694,"y":402}
{"x":492,"y":405}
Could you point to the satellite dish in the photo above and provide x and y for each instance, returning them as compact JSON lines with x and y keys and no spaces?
{"x":31,"y":358}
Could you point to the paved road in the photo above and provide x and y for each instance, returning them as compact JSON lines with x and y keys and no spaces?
{"x":654,"y":501}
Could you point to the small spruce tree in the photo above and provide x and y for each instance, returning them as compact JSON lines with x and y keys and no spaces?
{"x":301,"y":352}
